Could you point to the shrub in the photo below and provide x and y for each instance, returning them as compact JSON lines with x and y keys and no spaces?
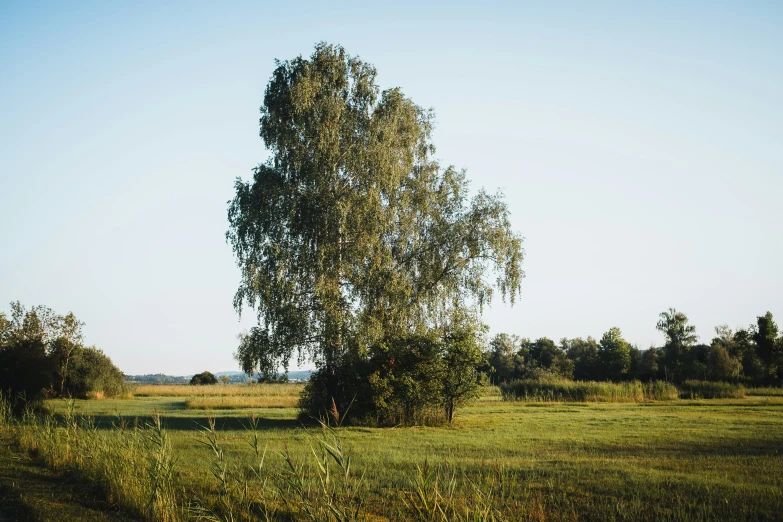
{"x":711,"y":390}
{"x":93,"y":375}
{"x":403,"y":380}
{"x":398,"y":383}
{"x":203,"y":378}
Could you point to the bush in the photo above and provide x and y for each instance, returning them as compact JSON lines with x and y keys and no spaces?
{"x":398,"y":383}
{"x":93,"y":375}
{"x":711,"y":390}
{"x":203,"y":378}
{"x":571,"y":391}
{"x":403,"y":380}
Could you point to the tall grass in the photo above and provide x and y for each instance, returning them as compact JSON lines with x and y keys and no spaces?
{"x":577,"y":391}
{"x":5,"y":410}
{"x":711,"y":390}
{"x":767,"y":391}
{"x":133,"y":467}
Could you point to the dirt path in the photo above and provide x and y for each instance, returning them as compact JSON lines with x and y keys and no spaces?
{"x":29,"y":492}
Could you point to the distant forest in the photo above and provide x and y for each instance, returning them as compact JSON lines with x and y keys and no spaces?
{"x":233,"y":377}
{"x":752,"y":355}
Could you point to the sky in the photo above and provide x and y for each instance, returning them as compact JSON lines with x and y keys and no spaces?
{"x":639,"y":146}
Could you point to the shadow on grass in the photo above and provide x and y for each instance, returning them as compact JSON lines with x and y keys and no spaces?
{"x":175,"y":423}
{"x":12,"y":508}
{"x":727,"y":448}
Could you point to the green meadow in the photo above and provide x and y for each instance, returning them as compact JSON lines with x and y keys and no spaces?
{"x":716,"y":459}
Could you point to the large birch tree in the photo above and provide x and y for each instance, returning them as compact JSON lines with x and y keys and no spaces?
{"x":351,"y":231}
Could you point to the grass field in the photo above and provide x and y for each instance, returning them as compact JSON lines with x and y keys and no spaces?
{"x":716,"y":459}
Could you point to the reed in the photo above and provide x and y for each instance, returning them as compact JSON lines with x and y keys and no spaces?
{"x":5,"y":410}
{"x":578,"y":391}
{"x":134,"y":468}
{"x":767,"y":391}
{"x":711,"y":390}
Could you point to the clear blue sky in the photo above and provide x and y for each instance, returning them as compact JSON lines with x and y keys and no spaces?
{"x":640,"y":146}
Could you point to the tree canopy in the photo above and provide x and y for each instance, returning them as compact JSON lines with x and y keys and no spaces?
{"x":351,"y":232}
{"x":203,"y":378}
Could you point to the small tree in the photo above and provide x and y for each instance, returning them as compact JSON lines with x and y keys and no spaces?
{"x":461,"y":359}
{"x":584,"y":354}
{"x":648,"y":364}
{"x":614,"y":352}
{"x":203,"y":378}
{"x":544,"y":354}
{"x":767,"y":344}
{"x":503,"y":361}
{"x":680,"y":336}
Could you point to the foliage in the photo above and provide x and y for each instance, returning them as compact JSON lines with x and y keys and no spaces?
{"x":460,"y":377}
{"x":26,"y":372}
{"x":398,"y":384}
{"x":405,"y":380}
{"x":352,"y":234}
{"x":584,"y":354}
{"x":544,"y":354}
{"x":203,"y":378}
{"x":503,"y":361}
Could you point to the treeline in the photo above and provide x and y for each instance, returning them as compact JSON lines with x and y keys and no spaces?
{"x":160,"y":378}
{"x":42,"y":354}
{"x":752,"y":355}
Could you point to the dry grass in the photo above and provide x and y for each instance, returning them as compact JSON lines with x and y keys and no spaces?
{"x":238,"y":402}
{"x":218,"y":390}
